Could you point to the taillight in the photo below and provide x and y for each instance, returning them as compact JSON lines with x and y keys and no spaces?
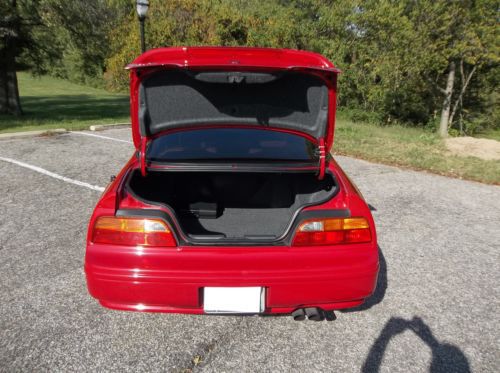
{"x":332,"y":231}
{"x":132,"y":232}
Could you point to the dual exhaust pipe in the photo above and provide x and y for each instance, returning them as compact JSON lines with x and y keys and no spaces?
{"x":313,"y":313}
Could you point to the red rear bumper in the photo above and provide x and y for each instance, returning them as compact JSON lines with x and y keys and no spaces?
{"x":172,"y":279}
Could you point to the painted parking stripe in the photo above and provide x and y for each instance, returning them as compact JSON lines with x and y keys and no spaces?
{"x":51,"y":174}
{"x":101,"y":137}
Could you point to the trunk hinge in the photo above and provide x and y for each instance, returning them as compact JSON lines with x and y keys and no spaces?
{"x":142,"y":155}
{"x":322,"y":159}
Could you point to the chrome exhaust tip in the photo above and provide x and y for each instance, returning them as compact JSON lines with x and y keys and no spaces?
{"x":299,"y":314}
{"x":314,"y":314}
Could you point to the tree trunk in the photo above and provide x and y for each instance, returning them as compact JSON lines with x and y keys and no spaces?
{"x":11,"y":88}
{"x":465,"y":84}
{"x":3,"y":77}
{"x":445,"y":112}
{"x":9,"y":91}
{"x":3,"y":88}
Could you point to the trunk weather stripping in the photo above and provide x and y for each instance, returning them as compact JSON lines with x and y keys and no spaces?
{"x":307,"y":167}
{"x":322,"y":159}
{"x":142,"y":155}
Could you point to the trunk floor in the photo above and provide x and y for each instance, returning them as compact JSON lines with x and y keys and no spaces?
{"x":241,"y":222}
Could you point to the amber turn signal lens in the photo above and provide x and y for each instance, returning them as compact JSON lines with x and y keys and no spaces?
{"x":332,"y":231}
{"x":132,"y":232}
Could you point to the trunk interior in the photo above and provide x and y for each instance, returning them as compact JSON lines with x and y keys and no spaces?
{"x":232,"y":205}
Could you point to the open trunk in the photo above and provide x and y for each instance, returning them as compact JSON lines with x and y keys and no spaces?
{"x":234,"y":206}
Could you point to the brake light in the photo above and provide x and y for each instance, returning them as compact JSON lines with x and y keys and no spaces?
{"x":332,"y":231}
{"x":132,"y":232}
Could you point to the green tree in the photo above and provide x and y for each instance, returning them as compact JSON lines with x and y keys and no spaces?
{"x":408,"y":60}
{"x":462,"y":41}
{"x":66,"y":39}
{"x":417,"y":62}
{"x":79,"y":31}
{"x":205,"y":22}
{"x":17,"y":18}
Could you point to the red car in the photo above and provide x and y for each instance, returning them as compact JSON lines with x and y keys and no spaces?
{"x":232,"y":202}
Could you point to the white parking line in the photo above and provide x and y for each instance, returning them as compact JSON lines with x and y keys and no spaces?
{"x":51,"y":174}
{"x":101,"y":137}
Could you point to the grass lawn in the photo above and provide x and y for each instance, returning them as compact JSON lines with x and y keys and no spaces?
{"x":489,"y":134}
{"x":414,"y":148}
{"x":54,"y":103}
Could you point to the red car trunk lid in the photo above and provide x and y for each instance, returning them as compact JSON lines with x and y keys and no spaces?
{"x":176,"y":88}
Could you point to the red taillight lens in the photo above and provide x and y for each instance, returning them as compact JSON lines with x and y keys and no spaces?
{"x":132,"y":232}
{"x":332,"y":231}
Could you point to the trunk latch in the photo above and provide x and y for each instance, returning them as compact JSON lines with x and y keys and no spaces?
{"x":322,"y":158}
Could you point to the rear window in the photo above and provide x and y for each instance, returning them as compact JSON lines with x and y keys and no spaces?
{"x":231,"y":144}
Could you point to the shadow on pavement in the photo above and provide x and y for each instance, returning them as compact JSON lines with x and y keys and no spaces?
{"x":445,"y":357}
{"x":380,"y":290}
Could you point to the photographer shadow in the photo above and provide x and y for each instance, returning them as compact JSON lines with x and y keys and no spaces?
{"x":445,"y":357}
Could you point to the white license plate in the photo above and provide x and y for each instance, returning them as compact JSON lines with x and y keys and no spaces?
{"x":234,"y":300}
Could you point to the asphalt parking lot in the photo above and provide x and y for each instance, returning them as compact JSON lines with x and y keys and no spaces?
{"x":436,"y":306}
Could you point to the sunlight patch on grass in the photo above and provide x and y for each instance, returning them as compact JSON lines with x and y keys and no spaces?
{"x":52,"y":103}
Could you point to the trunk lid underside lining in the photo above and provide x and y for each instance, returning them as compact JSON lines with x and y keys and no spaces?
{"x":180,"y":98}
